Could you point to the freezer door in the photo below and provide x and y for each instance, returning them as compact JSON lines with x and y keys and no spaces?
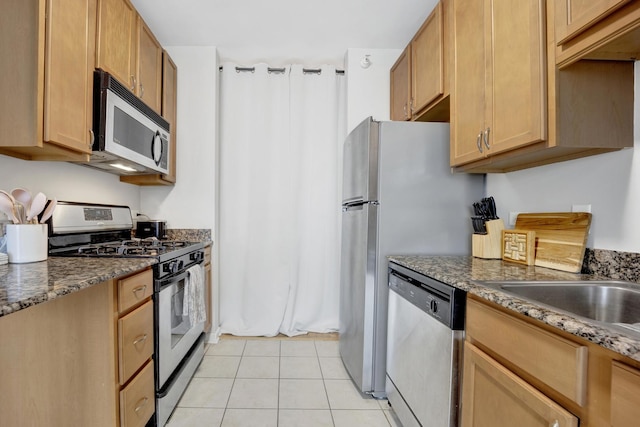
{"x":357,"y":293}
{"x":360,"y":164}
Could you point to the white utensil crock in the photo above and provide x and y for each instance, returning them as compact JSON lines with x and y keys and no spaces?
{"x":26,"y":242}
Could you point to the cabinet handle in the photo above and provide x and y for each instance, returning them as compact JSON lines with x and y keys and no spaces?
{"x":141,"y":91}
{"x":139,"y":289}
{"x":141,"y":339}
{"x":144,"y":401}
{"x":133,"y":83}
{"x":486,"y":138}
{"x":555,"y":423}
{"x":404,"y":109}
{"x":92,"y":137}
{"x":411,"y":105}
{"x":479,"y":142}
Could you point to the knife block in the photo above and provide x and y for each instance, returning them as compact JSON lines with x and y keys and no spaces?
{"x":488,"y":246}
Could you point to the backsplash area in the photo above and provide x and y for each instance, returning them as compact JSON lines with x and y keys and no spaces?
{"x":613,"y":264}
{"x":189,"y":234}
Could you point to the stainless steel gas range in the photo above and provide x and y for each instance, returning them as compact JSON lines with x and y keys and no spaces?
{"x":91,"y":230}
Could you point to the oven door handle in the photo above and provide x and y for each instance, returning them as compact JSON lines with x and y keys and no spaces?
{"x":170,"y":280}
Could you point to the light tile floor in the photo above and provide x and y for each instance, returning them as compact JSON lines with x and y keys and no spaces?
{"x":276,"y":383}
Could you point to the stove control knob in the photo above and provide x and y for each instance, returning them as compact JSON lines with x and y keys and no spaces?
{"x":172,"y":267}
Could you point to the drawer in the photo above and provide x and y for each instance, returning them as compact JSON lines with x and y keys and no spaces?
{"x":134,"y":289}
{"x":135,"y":340}
{"x":557,"y":362}
{"x":137,"y":400}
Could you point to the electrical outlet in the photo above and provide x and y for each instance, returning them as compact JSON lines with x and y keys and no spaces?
{"x":512,"y":218}
{"x":581,"y":208}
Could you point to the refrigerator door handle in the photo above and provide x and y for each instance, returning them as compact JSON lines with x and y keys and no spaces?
{"x":358,"y":206}
{"x":353,"y":201}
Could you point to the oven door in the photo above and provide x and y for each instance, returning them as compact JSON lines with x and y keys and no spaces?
{"x":176,"y":331}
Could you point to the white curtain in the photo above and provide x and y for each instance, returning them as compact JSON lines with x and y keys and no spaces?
{"x":280,"y":186}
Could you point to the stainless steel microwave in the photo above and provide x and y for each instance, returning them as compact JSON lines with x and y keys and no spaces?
{"x":129,"y":137}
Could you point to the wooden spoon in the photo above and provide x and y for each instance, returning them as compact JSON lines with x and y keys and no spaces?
{"x":6,"y":206}
{"x":37,"y":205}
{"x":48,"y":210}
{"x":24,"y":198}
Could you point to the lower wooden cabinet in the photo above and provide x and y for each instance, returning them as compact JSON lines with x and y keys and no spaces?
{"x":137,"y":399}
{"x":135,"y":349}
{"x":61,"y":362}
{"x":494,"y":396}
{"x":625,"y":395}
{"x":520,"y":371}
{"x":207,"y":290}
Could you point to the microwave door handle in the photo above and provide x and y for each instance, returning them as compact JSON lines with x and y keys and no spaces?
{"x":157,"y":140}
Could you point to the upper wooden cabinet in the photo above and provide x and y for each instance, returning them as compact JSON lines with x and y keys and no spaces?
{"x":428,"y":69}
{"x":597,"y":29}
{"x":420,"y":76}
{"x":149,"y":68}
{"x":400,"y":87}
{"x":47,"y":79}
{"x":499,"y":85}
{"x":128,"y":50}
{"x":512,"y":108}
{"x":575,"y":16}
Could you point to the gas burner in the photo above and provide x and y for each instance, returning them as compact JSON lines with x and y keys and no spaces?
{"x":96,"y":250}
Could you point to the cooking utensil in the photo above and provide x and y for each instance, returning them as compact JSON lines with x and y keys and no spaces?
{"x":48,"y":211}
{"x":7,"y":206}
{"x":37,"y":205}
{"x":22,"y":196}
{"x":479,"y":226}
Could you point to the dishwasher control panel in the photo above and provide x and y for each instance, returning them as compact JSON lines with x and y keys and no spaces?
{"x":441,"y":301}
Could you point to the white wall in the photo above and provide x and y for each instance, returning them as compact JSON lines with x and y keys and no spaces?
{"x":66,"y":181}
{"x":368,"y":88}
{"x":191,"y":202}
{"x":609,"y":182}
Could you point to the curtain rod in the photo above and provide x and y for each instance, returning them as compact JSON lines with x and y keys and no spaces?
{"x":281,"y":70}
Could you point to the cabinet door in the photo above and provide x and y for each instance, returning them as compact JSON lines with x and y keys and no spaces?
{"x":625,"y":395}
{"x":427,"y":62}
{"x":468,"y":91}
{"x":170,"y":110}
{"x":575,"y":16}
{"x":494,"y":396}
{"x":69,"y":63}
{"x":400,"y":80}
{"x":149,"y":82}
{"x":117,"y":40}
{"x":516,"y":69}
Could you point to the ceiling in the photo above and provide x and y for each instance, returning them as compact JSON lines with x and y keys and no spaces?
{"x":274,"y":31}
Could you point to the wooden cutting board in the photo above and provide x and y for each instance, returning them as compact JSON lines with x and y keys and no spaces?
{"x":561,"y":238}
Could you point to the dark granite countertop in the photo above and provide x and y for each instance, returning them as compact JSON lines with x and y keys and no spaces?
{"x":26,"y":285}
{"x":461,"y":272}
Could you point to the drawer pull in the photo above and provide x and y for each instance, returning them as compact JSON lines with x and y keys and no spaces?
{"x":144,"y":401}
{"x":139,"y":289}
{"x":141,"y":339}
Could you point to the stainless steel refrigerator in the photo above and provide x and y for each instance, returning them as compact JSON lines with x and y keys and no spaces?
{"x":399,"y":197}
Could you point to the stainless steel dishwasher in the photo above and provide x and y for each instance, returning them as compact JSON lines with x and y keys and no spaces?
{"x":424,"y":348}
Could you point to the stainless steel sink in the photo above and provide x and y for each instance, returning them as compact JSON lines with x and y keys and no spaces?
{"x":604,"y":301}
